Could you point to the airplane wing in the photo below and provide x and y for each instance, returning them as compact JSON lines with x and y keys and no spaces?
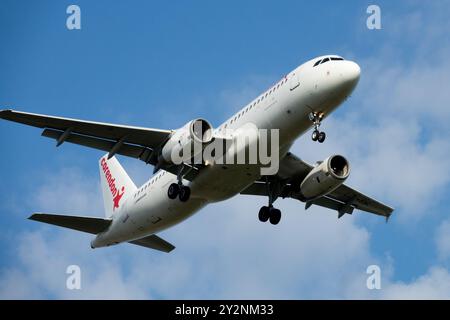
{"x":136,"y":142}
{"x":344,"y":199}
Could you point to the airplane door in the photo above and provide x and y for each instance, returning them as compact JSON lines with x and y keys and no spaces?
{"x":294,"y":81}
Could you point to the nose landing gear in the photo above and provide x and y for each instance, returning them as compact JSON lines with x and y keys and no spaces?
{"x":316,"y":119}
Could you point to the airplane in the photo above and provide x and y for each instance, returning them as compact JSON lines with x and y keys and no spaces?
{"x":296,"y":103}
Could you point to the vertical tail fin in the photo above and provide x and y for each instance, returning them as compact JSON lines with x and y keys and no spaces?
{"x":116,"y":184}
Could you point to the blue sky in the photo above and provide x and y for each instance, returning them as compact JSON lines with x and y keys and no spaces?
{"x":159,"y":65}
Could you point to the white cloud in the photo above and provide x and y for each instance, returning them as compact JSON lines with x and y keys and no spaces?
{"x":310,"y":250}
{"x":223,"y":252}
{"x":394,"y":129}
{"x":435,"y":284}
{"x":43,"y":258}
{"x":388,"y":160}
{"x":68,"y":191}
{"x":421,"y":30}
{"x":406,"y":92}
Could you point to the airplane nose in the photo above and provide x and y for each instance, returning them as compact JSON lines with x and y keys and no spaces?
{"x":347,"y":77}
{"x":351,"y":73}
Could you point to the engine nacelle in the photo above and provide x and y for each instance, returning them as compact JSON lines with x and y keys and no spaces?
{"x":187,"y":142}
{"x":325,"y":177}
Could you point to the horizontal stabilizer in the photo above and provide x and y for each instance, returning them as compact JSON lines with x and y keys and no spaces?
{"x":85,"y":224}
{"x":154,"y":242}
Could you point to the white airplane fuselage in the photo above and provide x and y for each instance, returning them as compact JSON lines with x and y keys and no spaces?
{"x":285,"y":106}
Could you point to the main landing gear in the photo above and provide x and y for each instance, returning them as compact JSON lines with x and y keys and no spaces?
{"x":269,"y":213}
{"x":316,"y":119}
{"x":179,"y":190}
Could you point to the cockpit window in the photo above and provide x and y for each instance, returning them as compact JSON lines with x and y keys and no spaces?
{"x":327,"y":59}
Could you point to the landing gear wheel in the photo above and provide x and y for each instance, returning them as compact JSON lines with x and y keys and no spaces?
{"x":185,"y":193}
{"x":275,"y":216}
{"x":264,"y":214}
{"x":173,"y":191}
{"x":321,"y":137}
{"x":315,"y":135}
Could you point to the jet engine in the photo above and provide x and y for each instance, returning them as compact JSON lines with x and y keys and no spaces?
{"x":187,"y":142}
{"x":325,"y":177}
